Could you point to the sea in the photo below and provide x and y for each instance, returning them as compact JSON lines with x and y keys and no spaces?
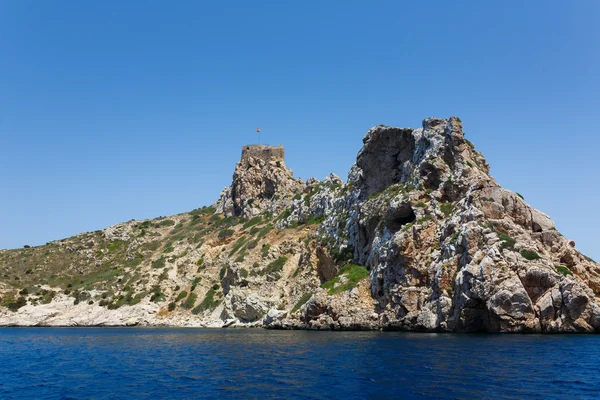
{"x":164,"y":363}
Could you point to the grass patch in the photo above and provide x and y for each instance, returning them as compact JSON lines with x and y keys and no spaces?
{"x":305,"y":297}
{"x":225,"y":233}
{"x":561,"y":269}
{"x":353,"y":273}
{"x":276,"y":266}
{"x":263,"y":232}
{"x":188,"y":304}
{"x":264,"y":251}
{"x":166,"y":222}
{"x":252,"y":221}
{"x":530,"y":255}
{"x":447,"y":208}
{"x":160,"y":263}
{"x":208,"y":303}
{"x":507,"y":242}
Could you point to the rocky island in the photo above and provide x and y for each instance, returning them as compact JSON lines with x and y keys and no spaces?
{"x":419,"y":238}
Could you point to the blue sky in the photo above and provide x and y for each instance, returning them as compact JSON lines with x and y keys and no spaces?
{"x":117,"y":110}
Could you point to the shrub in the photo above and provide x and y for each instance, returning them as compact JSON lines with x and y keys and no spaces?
{"x":225,"y":233}
{"x":420,"y":204}
{"x":196,"y":282}
{"x":530,"y":255}
{"x":27,"y":246}
{"x":160,"y":263}
{"x":263,"y":232}
{"x":469,"y":164}
{"x":305,"y":297}
{"x":200,"y":262}
{"x":264,"y":251}
{"x":166,"y":222}
{"x":284,"y":215}
{"x":208,"y":302}
{"x":252,"y":221}
{"x":354,"y":274}
{"x":172,"y":306}
{"x":15,"y":305}
{"x":447,"y":208}
{"x":277,"y":265}
{"x":244,"y":273}
{"x":222,"y":272}
{"x":507,"y":242}
{"x":561,"y":269}
{"x":520,"y":195}
{"x":181,"y":295}
{"x":188,"y":304}
{"x":424,"y":219}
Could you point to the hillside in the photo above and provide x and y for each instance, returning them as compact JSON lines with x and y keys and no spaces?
{"x":420,"y":237}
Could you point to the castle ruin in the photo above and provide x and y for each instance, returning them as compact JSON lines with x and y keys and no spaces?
{"x":263,"y":152}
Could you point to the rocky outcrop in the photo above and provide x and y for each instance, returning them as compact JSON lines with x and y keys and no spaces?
{"x":261,"y":183}
{"x":420,"y":238}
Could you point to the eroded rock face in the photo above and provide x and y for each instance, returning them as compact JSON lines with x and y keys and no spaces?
{"x":447,"y":248}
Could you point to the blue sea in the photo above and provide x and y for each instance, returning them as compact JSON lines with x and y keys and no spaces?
{"x":152,"y":363}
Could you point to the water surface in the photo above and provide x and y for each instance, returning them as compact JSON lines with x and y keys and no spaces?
{"x":151,"y":363}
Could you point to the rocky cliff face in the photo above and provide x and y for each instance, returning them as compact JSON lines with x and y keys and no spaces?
{"x":420,"y":238}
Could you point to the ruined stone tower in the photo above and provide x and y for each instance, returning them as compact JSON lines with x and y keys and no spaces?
{"x":263,"y":152}
{"x":261,"y":183}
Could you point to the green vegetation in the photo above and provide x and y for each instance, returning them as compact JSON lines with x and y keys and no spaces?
{"x":208,"y":303}
{"x":14,"y":305}
{"x":530,"y":255}
{"x":305,"y":297}
{"x":469,"y":164}
{"x":469,"y":143}
{"x":447,"y":208}
{"x":263,"y":232}
{"x":159,"y":263}
{"x":238,"y":245}
{"x":420,"y":204}
{"x":276,"y":266}
{"x":195,"y":282}
{"x":182,"y":295}
{"x":188,"y":304}
{"x":561,"y":269}
{"x":353,"y":274}
{"x":264,"y":251}
{"x":225,"y":233}
{"x":520,"y":195}
{"x":423,"y":219}
{"x":507,"y":242}
{"x":251,"y":222}
{"x":166,"y":222}
{"x":284,"y":215}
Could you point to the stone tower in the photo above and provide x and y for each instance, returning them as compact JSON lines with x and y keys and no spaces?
{"x":261,"y":183}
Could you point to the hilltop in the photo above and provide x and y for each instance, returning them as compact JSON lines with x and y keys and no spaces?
{"x":420,"y":237}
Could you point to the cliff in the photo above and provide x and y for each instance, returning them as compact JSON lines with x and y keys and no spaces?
{"x":420,"y":238}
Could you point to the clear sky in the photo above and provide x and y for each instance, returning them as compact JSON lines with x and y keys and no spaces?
{"x":113,"y":110}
